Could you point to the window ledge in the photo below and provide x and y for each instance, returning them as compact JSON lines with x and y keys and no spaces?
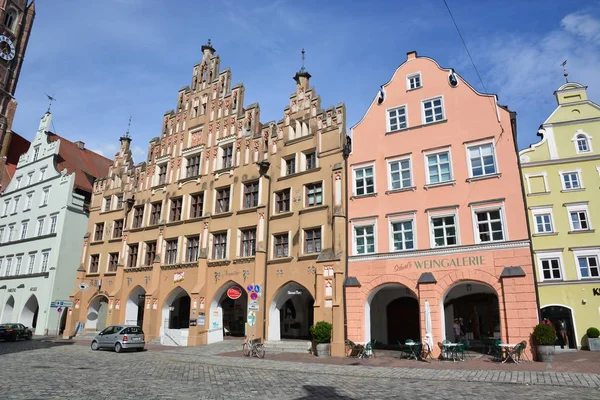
{"x":21,"y":276}
{"x":12,"y":242}
{"x":247,"y":210}
{"x":582,"y":231}
{"x":313,"y":256}
{"x":195,"y":219}
{"x":295,"y":174}
{"x":298,"y":140}
{"x":190,"y":178}
{"x":538,"y":194}
{"x":41,"y":205}
{"x":94,"y":242}
{"x":360,"y":196}
{"x":572,"y":190}
{"x":178,"y":265}
{"x":111,"y":211}
{"x":545,"y":234}
{"x":218,"y":263}
{"x":223,"y":170}
{"x":416,"y":127}
{"x":138,"y":269}
{"x":173,"y":223}
{"x":244,"y":260}
{"x":222,"y":215}
{"x":110,"y":273}
{"x":483,"y":177}
{"x":412,"y":90}
{"x":115,"y":240}
{"x":434,"y":185}
{"x":281,"y":260}
{"x":92,"y":274}
{"x":406,"y":189}
{"x":159,"y":186}
{"x":313,"y":208}
{"x":282,"y":215}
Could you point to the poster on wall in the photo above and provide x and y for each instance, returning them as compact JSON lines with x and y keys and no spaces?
{"x":201,"y":318}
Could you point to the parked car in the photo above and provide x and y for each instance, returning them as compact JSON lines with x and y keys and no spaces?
{"x":14,"y":332}
{"x":120,"y":337}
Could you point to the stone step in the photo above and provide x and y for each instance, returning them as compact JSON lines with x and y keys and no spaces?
{"x":285,"y":346}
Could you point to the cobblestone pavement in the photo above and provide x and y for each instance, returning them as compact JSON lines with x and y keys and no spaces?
{"x":46,"y":370}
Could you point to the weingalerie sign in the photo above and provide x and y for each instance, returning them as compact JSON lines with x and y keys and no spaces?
{"x":441,"y":263}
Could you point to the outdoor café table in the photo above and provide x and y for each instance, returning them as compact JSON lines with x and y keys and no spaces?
{"x":451,"y":347}
{"x":507,"y":348}
{"x":415,"y":349}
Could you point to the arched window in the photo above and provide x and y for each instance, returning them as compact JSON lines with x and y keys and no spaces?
{"x":9,"y":19}
{"x":583,"y":146}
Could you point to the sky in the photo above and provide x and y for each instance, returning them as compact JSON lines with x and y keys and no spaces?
{"x":108,"y":60}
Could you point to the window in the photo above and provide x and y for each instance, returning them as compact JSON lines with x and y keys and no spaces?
{"x":18,"y":266}
{"x":16,"y":204}
{"x":118,"y":228}
{"x":312,"y":241}
{"x":489,"y":226}
{"x":150,"y":253}
{"x":29,"y":178}
{"x":227,"y":157}
{"x":45,"y":257}
{"x":45,"y":195}
{"x":482,"y":160}
{"x":36,"y":153}
{"x":397,"y":119}
{"x":364,"y":239}
{"x":162,"y":174}
{"x":133,"y":254}
{"x":28,"y":199}
{"x":24,"y":226}
{"x":438,"y":168}
{"x":94,"y":263}
{"x":155,"y":214}
{"x":107,"y":203}
{"x":196,"y":205}
{"x":5,"y":208}
{"x":281,"y":245}
{"x":8,"y":266}
{"x":282,"y":201}
{"x":248,"y":243}
{"x":571,"y":181}
{"x":31,"y":264}
{"x":311,"y":160}
{"x":19,"y":178}
{"x":222,"y":200}
{"x":444,"y":231}
{"x":413,"y":81}
{"x":99,"y":231}
{"x":433,"y":110}
{"x":551,"y":269}
{"x":578,"y":217}
{"x":403,"y":235}
{"x":582,"y":144}
{"x":193,"y":249}
{"x":176,"y":205}
{"x":588,"y":266}
{"x":9,"y":19}
{"x":220,"y":246}
{"x":543,"y":223}
{"x":400,"y":174}
{"x":113,"y":261}
{"x":314,"y":194}
{"x":11,"y":233}
{"x":2,"y":235}
{"x":290,"y":165}
{"x":171,"y":254}
{"x":251,"y":194}
{"x":53,"y":220}
{"x":138,"y":216}
{"x":363,"y":181}
{"x":193,"y":166}
{"x":119,"y":201}
{"x":42,"y":174}
{"x":40,"y":226}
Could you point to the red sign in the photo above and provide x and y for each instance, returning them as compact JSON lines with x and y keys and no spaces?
{"x":234,"y":293}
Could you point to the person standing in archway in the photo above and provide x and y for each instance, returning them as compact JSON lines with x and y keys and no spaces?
{"x":562,"y":332}
{"x":456,"y":330}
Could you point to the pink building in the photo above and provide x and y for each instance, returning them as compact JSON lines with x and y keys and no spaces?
{"x":437,"y":215}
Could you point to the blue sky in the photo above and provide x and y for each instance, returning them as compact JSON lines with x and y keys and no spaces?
{"x":107,"y":60}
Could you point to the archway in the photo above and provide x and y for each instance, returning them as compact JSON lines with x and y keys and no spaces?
{"x":96,"y":316}
{"x":471,"y":309}
{"x":134,"y":309}
{"x":556,"y":314}
{"x":8,"y":310}
{"x":291,"y":313}
{"x":174,"y":329}
{"x":392,"y":315}
{"x":30,"y":313}
{"x":227,"y":315}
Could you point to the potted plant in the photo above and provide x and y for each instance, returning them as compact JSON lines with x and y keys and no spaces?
{"x":321,"y":334}
{"x":593,"y":335}
{"x":545,"y":337}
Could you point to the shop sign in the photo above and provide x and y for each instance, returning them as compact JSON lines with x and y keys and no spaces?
{"x":440,"y":263}
{"x":234,"y":293}
{"x":193,"y":321}
{"x":201,"y":318}
{"x":253,"y":305}
{"x":178,"y":276}
{"x":596,"y":291}
{"x":294,"y":292}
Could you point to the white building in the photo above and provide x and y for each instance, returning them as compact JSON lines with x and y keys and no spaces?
{"x":43,"y":217}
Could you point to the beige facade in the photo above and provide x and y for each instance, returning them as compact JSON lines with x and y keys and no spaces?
{"x":222,"y":202}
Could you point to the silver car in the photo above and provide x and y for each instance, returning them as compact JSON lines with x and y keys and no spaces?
{"x":120,"y":337}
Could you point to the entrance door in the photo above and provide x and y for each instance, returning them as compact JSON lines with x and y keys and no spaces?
{"x":556,"y":314}
{"x":403,"y":320}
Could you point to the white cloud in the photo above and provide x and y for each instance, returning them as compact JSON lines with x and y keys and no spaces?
{"x":583,"y":25}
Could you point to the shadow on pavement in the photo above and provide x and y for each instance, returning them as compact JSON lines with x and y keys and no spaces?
{"x":27,"y":345}
{"x":322,"y":392}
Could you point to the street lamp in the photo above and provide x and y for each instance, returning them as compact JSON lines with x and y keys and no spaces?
{"x":263,"y":168}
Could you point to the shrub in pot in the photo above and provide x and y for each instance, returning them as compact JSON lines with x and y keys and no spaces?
{"x":321,"y":334}
{"x":544,"y":336}
{"x":593,"y":335}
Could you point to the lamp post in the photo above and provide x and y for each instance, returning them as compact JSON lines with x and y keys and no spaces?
{"x":263,"y":168}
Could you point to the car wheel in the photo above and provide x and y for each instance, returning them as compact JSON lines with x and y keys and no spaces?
{"x":95,"y":345}
{"x":118,"y":347}
{"x":29,"y":335}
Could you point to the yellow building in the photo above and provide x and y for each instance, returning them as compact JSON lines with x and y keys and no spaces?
{"x":561,"y":174}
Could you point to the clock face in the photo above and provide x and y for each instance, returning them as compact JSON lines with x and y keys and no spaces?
{"x":7,"y":48}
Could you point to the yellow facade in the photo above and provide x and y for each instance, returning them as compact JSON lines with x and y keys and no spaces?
{"x":561,"y":174}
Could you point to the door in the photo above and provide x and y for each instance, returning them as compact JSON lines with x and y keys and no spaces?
{"x":103,"y":337}
{"x":113,"y":336}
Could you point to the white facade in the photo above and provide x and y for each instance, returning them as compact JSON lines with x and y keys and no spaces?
{"x":38,"y":263}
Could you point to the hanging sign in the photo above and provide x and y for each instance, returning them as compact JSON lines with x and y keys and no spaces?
{"x":234,"y":293}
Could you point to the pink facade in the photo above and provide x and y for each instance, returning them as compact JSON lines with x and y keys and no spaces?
{"x":437,"y":215}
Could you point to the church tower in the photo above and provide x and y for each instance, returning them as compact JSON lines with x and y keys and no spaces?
{"x":16,"y":20}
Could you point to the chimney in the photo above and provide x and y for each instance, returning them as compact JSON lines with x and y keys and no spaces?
{"x":411,"y":55}
{"x":80,"y":145}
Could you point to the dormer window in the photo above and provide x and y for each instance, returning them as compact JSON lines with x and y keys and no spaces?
{"x":582,"y":143}
{"x":413,"y":81}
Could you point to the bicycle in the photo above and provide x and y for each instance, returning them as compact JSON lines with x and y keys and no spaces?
{"x":251,"y":348}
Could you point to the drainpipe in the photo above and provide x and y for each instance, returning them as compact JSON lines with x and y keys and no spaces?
{"x":263,"y":168}
{"x":345,"y":153}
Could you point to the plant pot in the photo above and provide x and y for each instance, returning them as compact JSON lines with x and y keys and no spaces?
{"x":594,"y":344}
{"x":545,"y":353}
{"x":323,"y":350}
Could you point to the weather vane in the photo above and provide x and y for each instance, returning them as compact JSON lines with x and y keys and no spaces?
{"x":303,"y":53}
{"x":51,"y":100}
{"x":565,"y":73}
